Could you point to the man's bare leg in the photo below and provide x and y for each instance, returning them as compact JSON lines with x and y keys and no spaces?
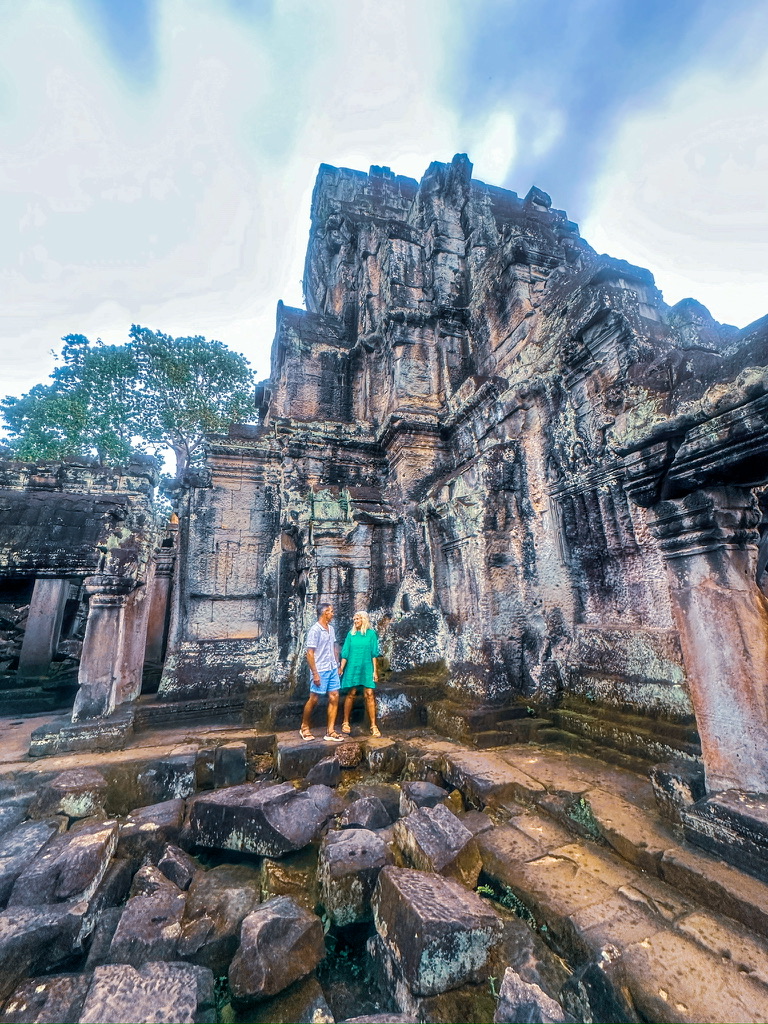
{"x":309,"y":707}
{"x":333,"y":707}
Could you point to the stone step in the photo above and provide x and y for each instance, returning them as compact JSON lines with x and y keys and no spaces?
{"x":516,"y":730}
{"x":151,"y":713}
{"x":579,"y":742}
{"x":652,"y":741}
{"x":463,"y":723}
{"x":659,"y":955}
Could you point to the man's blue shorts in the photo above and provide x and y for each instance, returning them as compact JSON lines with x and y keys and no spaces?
{"x":329,"y":681}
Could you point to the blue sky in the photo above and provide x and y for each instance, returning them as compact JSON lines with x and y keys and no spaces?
{"x":157,"y":156}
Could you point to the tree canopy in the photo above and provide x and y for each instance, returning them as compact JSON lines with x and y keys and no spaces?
{"x":111,"y":401}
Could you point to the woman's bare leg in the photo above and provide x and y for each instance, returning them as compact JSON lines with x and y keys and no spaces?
{"x":349,"y":700}
{"x":370,"y":706}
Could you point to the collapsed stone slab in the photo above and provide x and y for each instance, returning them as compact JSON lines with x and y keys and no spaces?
{"x":77,"y":793}
{"x":294,"y":875}
{"x":150,"y":925}
{"x":521,"y":1002}
{"x":434,"y":839}
{"x":420,"y":794}
{"x":280,"y":942}
{"x":69,"y":868}
{"x":178,"y":866}
{"x":439,"y":934}
{"x":304,"y":1000}
{"x":47,"y":1000}
{"x":367,"y":812}
{"x":262,"y":818}
{"x":167,"y":993}
{"x":34,"y":939}
{"x":147,"y":831}
{"x":217,"y":902}
{"x":19,"y":847}
{"x":348,"y":867}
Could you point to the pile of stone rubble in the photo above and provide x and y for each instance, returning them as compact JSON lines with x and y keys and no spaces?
{"x":347,"y":892}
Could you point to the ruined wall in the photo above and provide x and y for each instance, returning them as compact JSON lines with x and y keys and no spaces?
{"x":446,"y":437}
{"x":62,"y":524}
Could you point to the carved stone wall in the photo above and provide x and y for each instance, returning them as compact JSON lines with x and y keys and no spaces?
{"x":461,"y":432}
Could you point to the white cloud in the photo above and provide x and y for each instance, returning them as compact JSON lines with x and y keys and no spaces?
{"x":184,"y":206}
{"x":683,"y":193}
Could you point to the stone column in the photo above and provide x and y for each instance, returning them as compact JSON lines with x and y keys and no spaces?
{"x":41,"y":636}
{"x":102,"y":647}
{"x":159,"y":596}
{"x":133,"y":642}
{"x":709,"y":540}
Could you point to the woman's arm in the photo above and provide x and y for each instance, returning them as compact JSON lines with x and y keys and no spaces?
{"x":342,"y":667}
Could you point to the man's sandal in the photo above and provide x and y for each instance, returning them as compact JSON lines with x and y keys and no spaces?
{"x":347,"y":728}
{"x":306,"y":734}
{"x":333,"y":737}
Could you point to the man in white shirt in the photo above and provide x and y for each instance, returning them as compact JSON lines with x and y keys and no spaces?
{"x":323,"y":661}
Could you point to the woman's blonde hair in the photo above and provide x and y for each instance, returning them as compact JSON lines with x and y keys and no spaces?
{"x":365,"y":625}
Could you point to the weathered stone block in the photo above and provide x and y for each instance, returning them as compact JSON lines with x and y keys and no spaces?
{"x":294,"y":875}
{"x":677,"y":785}
{"x":149,"y":927}
{"x":388,"y":793}
{"x":77,"y":793}
{"x":295,"y":756}
{"x":439,"y":934}
{"x":173,"y":993}
{"x":302,"y":1001}
{"x":280,"y":942}
{"x":365,"y":812}
{"x":348,"y":867}
{"x":64,"y":736}
{"x":178,"y":866}
{"x":325,"y":773}
{"x":48,"y":1000}
{"x":69,"y":868}
{"x":217,"y":902}
{"x":19,"y":847}
{"x":420,"y":794}
{"x":521,"y":1002}
{"x":148,"y":830}
{"x":35,"y":939}
{"x":230,"y":765}
{"x":434,"y":839}
{"x":385,"y":757}
{"x":262,"y":818}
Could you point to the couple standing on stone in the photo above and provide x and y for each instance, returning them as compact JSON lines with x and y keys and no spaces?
{"x":327,"y":676}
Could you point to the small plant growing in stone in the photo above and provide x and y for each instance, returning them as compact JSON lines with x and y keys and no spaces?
{"x":580,"y":812}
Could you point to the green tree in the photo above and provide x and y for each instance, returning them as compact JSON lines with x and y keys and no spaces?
{"x":114,"y":400}
{"x":190,"y":387}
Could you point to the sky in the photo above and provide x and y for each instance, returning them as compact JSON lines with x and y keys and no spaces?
{"x":157,"y":157}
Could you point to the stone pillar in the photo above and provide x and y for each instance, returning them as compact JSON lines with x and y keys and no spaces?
{"x":133,"y":642}
{"x":41,"y":636}
{"x":102,"y":647}
{"x":159,"y":596}
{"x":709,"y":540}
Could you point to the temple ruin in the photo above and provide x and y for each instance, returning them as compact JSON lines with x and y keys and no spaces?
{"x":546,"y":486}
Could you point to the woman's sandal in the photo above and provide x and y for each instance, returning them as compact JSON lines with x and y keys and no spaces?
{"x":306,"y":734}
{"x":375,"y":731}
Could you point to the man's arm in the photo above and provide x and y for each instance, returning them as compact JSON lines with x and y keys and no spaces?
{"x":311,"y":663}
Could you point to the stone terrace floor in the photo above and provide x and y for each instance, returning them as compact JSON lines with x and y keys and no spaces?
{"x":611,"y":887}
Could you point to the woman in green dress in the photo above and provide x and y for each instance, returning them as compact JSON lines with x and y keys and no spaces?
{"x":358,"y":668}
